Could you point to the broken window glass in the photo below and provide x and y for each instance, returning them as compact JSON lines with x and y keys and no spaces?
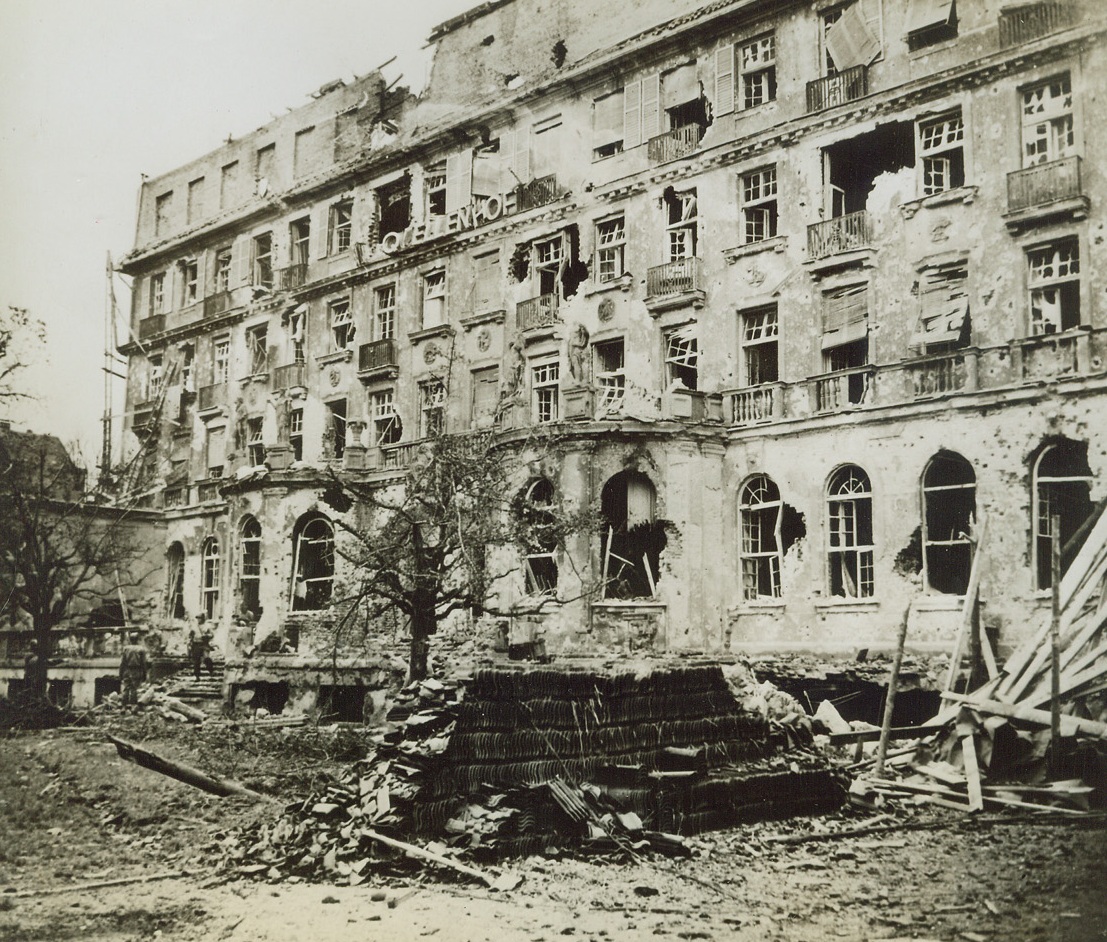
{"x":944,"y":309}
{"x":757,"y":66}
{"x":949,"y":515}
{"x":759,"y":521}
{"x":1047,"y":125}
{"x":610,"y":244}
{"x":175,"y":571}
{"x":250,"y":560}
{"x":759,"y":346}
{"x":209,"y":583}
{"x":432,"y":418}
{"x":546,"y":390}
{"x":313,"y":569}
{"x":540,"y":542}
{"x":342,"y":324}
{"x":682,"y":357}
{"x":610,"y":371}
{"x":1054,"y":287}
{"x":850,"y":533}
{"x":342,"y":217}
{"x":263,"y":260}
{"x":1062,"y":487}
{"x":632,"y":540}
{"x":759,"y":211}
{"x":387,"y":429}
{"x":941,"y":153}
{"x":255,"y":444}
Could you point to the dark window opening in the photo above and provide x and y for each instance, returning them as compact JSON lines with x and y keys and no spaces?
{"x":632,"y":540}
{"x":539,"y":537}
{"x":852,"y":166}
{"x":394,"y":206}
{"x":1062,"y":488}
{"x":850,"y":532}
{"x":931,"y":23}
{"x":336,"y":427}
{"x":60,"y":692}
{"x":271,"y":696}
{"x":949,"y":513}
{"x":341,"y":703}
{"x":313,"y":570}
{"x":103,"y":687}
{"x":759,"y":518}
{"x":175,"y":570}
{"x":850,"y":356}
{"x":250,"y":575}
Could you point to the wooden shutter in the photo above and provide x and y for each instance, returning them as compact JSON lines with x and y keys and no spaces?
{"x":724,"y":80}
{"x":632,"y":115}
{"x":240,"y":261}
{"x":321,"y":229}
{"x":507,"y":157}
{"x":459,"y":180}
{"x":169,"y":288}
{"x":201,"y":274}
{"x":852,"y":40}
{"x":651,"y":106}
{"x":520,"y":164}
{"x":873,"y":13}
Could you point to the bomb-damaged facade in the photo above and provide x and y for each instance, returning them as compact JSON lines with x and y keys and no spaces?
{"x":806,"y":290}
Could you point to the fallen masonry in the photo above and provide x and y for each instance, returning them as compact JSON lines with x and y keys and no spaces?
{"x":509,"y":763}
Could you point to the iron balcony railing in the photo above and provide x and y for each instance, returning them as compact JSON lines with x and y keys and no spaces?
{"x":538,"y":192}
{"x":149,"y":326}
{"x":1043,"y":184}
{"x":216,"y":304}
{"x":848,"y":85}
{"x":537,"y":312}
{"x":840,"y":234}
{"x":674,"y":144}
{"x":212,"y":397}
{"x":289,"y":375}
{"x":1022,"y":24}
{"x":376,"y":355}
{"x":680,"y":277}
{"x":294,"y":276}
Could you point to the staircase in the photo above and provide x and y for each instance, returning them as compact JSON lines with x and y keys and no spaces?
{"x":205,"y":694}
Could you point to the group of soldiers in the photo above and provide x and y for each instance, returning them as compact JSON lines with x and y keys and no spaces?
{"x":134,"y":666}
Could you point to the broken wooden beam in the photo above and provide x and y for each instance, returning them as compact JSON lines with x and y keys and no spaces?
{"x":496,"y":883}
{"x":1070,"y":725}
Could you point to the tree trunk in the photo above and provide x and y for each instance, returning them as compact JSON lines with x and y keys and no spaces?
{"x":423,"y":624}
{"x":37,"y":664}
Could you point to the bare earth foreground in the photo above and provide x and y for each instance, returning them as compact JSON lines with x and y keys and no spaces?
{"x":72,"y":813}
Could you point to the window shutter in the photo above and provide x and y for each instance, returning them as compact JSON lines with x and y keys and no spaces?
{"x":852,"y":41}
{"x":201,"y":273}
{"x":724,"y":80}
{"x":521,"y":161}
{"x":321,"y":230}
{"x":651,"y":106}
{"x":459,"y":180}
{"x":240,"y":262}
{"x":507,"y":155}
{"x":873,"y":14}
{"x":172,"y":274}
{"x":632,"y":115}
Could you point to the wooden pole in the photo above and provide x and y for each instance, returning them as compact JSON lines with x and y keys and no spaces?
{"x":1055,"y":640}
{"x":890,"y":699}
{"x":969,"y":609}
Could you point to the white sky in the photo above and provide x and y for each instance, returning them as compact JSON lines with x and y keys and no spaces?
{"x":94,"y":93}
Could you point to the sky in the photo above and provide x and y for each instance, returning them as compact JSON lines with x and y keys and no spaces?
{"x":95,"y":93}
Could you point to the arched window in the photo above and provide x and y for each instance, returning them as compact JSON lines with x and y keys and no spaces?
{"x":540,"y":542}
{"x":759,"y":521}
{"x":174,"y":586}
{"x":849,"y":504}
{"x":1061,"y":487}
{"x":209,"y":582}
{"x":249,"y":579}
{"x":949,"y":512}
{"x":313,"y":565}
{"x":632,"y":540}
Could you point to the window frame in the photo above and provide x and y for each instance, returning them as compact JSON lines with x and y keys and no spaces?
{"x":681,"y":354}
{"x":174,"y":581}
{"x":387,"y":425}
{"x":190,"y":281}
{"x":315,"y":531}
{"x":844,"y":522}
{"x":760,"y":208}
{"x":1058,"y":283}
{"x":610,"y":381}
{"x":540,"y":550}
{"x":938,"y":493}
{"x":384,"y":315}
{"x":765,"y":68}
{"x":545,"y":381}
{"x":1041,"y":526}
{"x":341,"y":226}
{"x":434,"y":190}
{"x":157,"y":294}
{"x":261,"y":260}
{"x":220,"y":360}
{"x":1053,"y":120}
{"x":210,"y":572}
{"x":255,"y":440}
{"x":610,"y":254}
{"x":249,"y":561}
{"x":944,"y":155}
{"x":434,"y":290}
{"x":758,"y":329}
{"x":343,"y":330}
{"x":224,"y":259}
{"x":432,"y":408}
{"x":257,"y":348}
{"x":296,"y":433}
{"x":682,"y":233}
{"x":299,"y":241}
{"x":759,"y":566}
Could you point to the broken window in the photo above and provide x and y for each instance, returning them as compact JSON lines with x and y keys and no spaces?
{"x":487,"y":282}
{"x":432,"y":408}
{"x":546,"y":147}
{"x":296,"y":433}
{"x":313,"y":566}
{"x":336,"y":427}
{"x":1061,"y":487}
{"x":1054,"y":281}
{"x":607,"y":125}
{"x":228,"y":185}
{"x":195,"y":200}
{"x":682,"y":357}
{"x":1047,"y":125}
{"x":157,"y":293}
{"x":220,"y":360}
{"x":949,"y":514}
{"x":265,"y":162}
{"x":299,"y":237}
{"x":846,"y":339}
{"x":209,"y":581}
{"x":188,"y":378}
{"x":851,"y":35}
{"x":944,"y":309}
{"x":384,"y":312}
{"x":682,"y":223}
{"x":254,"y":441}
{"x":609,"y":368}
{"x":610,"y":248}
{"x":632,"y":540}
{"x":760,"y":356}
{"x":759,"y":205}
{"x":154,"y":377}
{"x":249,"y":580}
{"x":387,"y":429}
{"x":263,"y":260}
{"x":302,"y":151}
{"x":434,"y":298}
{"x":757,"y":70}
{"x":929,"y":22}
{"x":682,"y":100}
{"x":851,"y":168}
{"x":174,"y":589}
{"x":394,"y":206}
{"x":342,"y":324}
{"x":850,"y":533}
{"x":942,"y":153}
{"x":162,"y":205}
{"x":759,"y":509}
{"x":341,"y":226}
{"x":215,"y":450}
{"x":434,"y":190}
{"x":485,"y":397}
{"x":190,"y":282}
{"x":540,"y":542}
{"x":548,"y":257}
{"x":297,"y":328}
{"x":256,"y":348}
{"x":546,"y":390}
{"x":223,"y":270}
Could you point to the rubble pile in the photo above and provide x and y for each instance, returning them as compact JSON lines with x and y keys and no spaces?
{"x":517,"y":762}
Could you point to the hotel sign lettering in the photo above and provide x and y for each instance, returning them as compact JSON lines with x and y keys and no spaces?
{"x":478,"y":213}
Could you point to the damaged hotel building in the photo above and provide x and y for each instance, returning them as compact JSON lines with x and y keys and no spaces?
{"x":807,"y":291}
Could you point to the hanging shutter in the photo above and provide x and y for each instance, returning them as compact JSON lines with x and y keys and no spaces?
{"x":852,"y":41}
{"x":632,"y":115}
{"x":651,"y":107}
{"x":724,"y":80}
{"x":507,"y":155}
{"x":873,"y":14}
{"x":240,"y":262}
{"x":521,"y":162}
{"x":321,"y":230}
{"x":459,"y":180}
{"x":168,"y":296}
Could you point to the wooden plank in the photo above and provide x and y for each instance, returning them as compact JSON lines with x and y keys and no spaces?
{"x":871,"y":735}
{"x":1070,"y":725}
{"x":988,"y":653}
{"x":890,"y":697}
{"x":972,"y":773}
{"x":1084,"y":561}
{"x":969,"y":607}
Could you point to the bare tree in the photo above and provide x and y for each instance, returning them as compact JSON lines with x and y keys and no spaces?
{"x":59,"y":547}
{"x":20,"y":335}
{"x":424,"y":547}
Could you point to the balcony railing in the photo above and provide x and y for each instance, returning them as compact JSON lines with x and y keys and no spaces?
{"x":292,"y":277}
{"x":1044,"y":183}
{"x":674,"y":144}
{"x":212,"y":397}
{"x":679,"y":277}
{"x":939,"y":375}
{"x":216,"y":304}
{"x":848,"y":85}
{"x":376,"y":355}
{"x":756,"y":404}
{"x":538,"y":192}
{"x":537,"y":312}
{"x":149,"y":326}
{"x":834,"y":392}
{"x":208,"y":490}
{"x":175,"y":497}
{"x":285,"y":377}
{"x":393,"y":457}
{"x":840,"y":234}
{"x":1051,"y":355}
{"x":1023,"y":24}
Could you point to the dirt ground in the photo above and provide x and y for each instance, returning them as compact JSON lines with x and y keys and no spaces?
{"x":71,"y":813}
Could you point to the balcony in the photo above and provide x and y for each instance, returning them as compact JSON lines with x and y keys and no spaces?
{"x":174,"y":497}
{"x":832,"y":90}
{"x":397,"y":457}
{"x":674,"y":144}
{"x":377,"y":358}
{"x":755,"y":404}
{"x":1023,"y":24}
{"x":208,"y":490}
{"x":151,"y":326}
{"x":539,"y":192}
{"x":537,"y":312}
{"x":837,"y":392}
{"x":288,"y":377}
{"x":674,"y":285}
{"x":1045,"y":190}
{"x":1051,"y":356}
{"x":841,"y":234}
{"x":932,"y":376}
{"x":212,"y":397}
{"x":216,"y":304}
{"x":292,"y":277}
